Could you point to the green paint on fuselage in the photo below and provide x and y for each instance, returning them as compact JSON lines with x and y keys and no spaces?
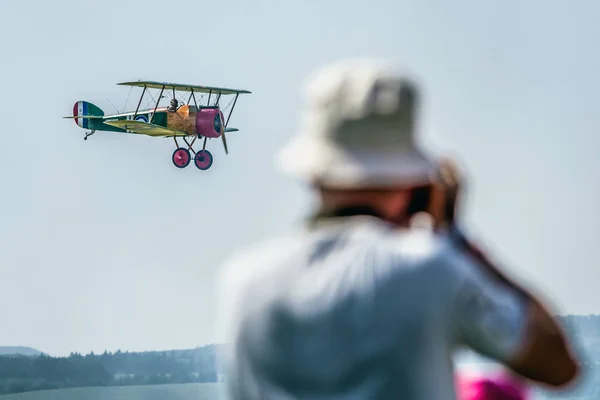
{"x":160,"y":118}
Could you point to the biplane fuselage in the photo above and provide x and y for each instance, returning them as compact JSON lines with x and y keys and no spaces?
{"x":205,"y":122}
{"x":189,"y":121}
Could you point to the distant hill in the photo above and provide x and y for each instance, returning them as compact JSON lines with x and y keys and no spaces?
{"x":23,"y":369}
{"x":188,"y":391}
{"x":20,"y":373}
{"x":18,"y":350}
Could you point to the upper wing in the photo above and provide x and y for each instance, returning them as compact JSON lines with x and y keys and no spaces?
{"x":145,"y":128}
{"x":184,"y":87}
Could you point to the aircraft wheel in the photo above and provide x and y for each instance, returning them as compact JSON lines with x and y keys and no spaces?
{"x":203,"y":160}
{"x":181,"y":157}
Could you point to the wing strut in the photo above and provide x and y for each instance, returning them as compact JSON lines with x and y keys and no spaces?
{"x":231,"y":111}
{"x":195,"y":102}
{"x":226,"y":122}
{"x":139,"y":102}
{"x":157,"y":101}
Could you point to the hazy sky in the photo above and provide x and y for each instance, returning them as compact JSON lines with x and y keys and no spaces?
{"x":105,"y":244}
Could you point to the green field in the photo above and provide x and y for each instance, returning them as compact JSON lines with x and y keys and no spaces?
{"x":189,"y":391}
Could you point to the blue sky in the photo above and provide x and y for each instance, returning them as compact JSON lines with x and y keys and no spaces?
{"x":106,"y":245}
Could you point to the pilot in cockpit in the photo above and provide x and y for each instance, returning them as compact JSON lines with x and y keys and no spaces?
{"x":174,"y":105}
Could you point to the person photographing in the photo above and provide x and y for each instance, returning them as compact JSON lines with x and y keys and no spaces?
{"x":360,"y":304}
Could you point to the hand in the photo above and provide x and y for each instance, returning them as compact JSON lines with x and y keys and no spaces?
{"x":444,"y":205}
{"x":444,"y":194}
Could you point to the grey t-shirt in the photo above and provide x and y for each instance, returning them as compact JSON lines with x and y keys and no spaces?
{"x":355,"y":309}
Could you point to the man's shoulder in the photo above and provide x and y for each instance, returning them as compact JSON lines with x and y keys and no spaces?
{"x":418,"y":248}
{"x":402,"y":247}
{"x":413,"y":245}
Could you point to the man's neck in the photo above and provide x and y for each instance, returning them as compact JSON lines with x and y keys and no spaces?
{"x":331,"y":214}
{"x":346,"y":211}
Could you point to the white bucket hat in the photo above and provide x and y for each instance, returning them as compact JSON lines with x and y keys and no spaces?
{"x":358,"y":129}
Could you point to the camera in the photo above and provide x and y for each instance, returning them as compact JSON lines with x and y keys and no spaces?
{"x":420,"y":200}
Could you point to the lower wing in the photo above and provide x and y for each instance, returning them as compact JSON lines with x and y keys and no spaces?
{"x":144,"y":128}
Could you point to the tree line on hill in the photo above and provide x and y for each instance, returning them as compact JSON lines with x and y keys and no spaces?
{"x":20,"y":373}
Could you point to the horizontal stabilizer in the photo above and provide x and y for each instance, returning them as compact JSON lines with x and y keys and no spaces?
{"x":86,"y":116}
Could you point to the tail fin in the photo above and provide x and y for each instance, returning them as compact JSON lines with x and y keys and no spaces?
{"x":83,"y":111}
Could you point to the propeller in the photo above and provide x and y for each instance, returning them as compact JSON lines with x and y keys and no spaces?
{"x":223,"y":133}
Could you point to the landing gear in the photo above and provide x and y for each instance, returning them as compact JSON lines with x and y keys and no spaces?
{"x":181,"y":157}
{"x":203,"y":160}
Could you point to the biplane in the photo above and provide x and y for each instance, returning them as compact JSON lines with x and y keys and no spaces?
{"x":188,"y":121}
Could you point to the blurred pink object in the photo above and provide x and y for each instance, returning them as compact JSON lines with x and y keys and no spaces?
{"x":497,"y":388}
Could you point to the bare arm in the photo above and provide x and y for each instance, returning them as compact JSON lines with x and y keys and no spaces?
{"x":546,"y":356}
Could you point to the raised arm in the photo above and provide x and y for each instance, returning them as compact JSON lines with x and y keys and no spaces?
{"x":540,"y":349}
{"x":507,"y":322}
